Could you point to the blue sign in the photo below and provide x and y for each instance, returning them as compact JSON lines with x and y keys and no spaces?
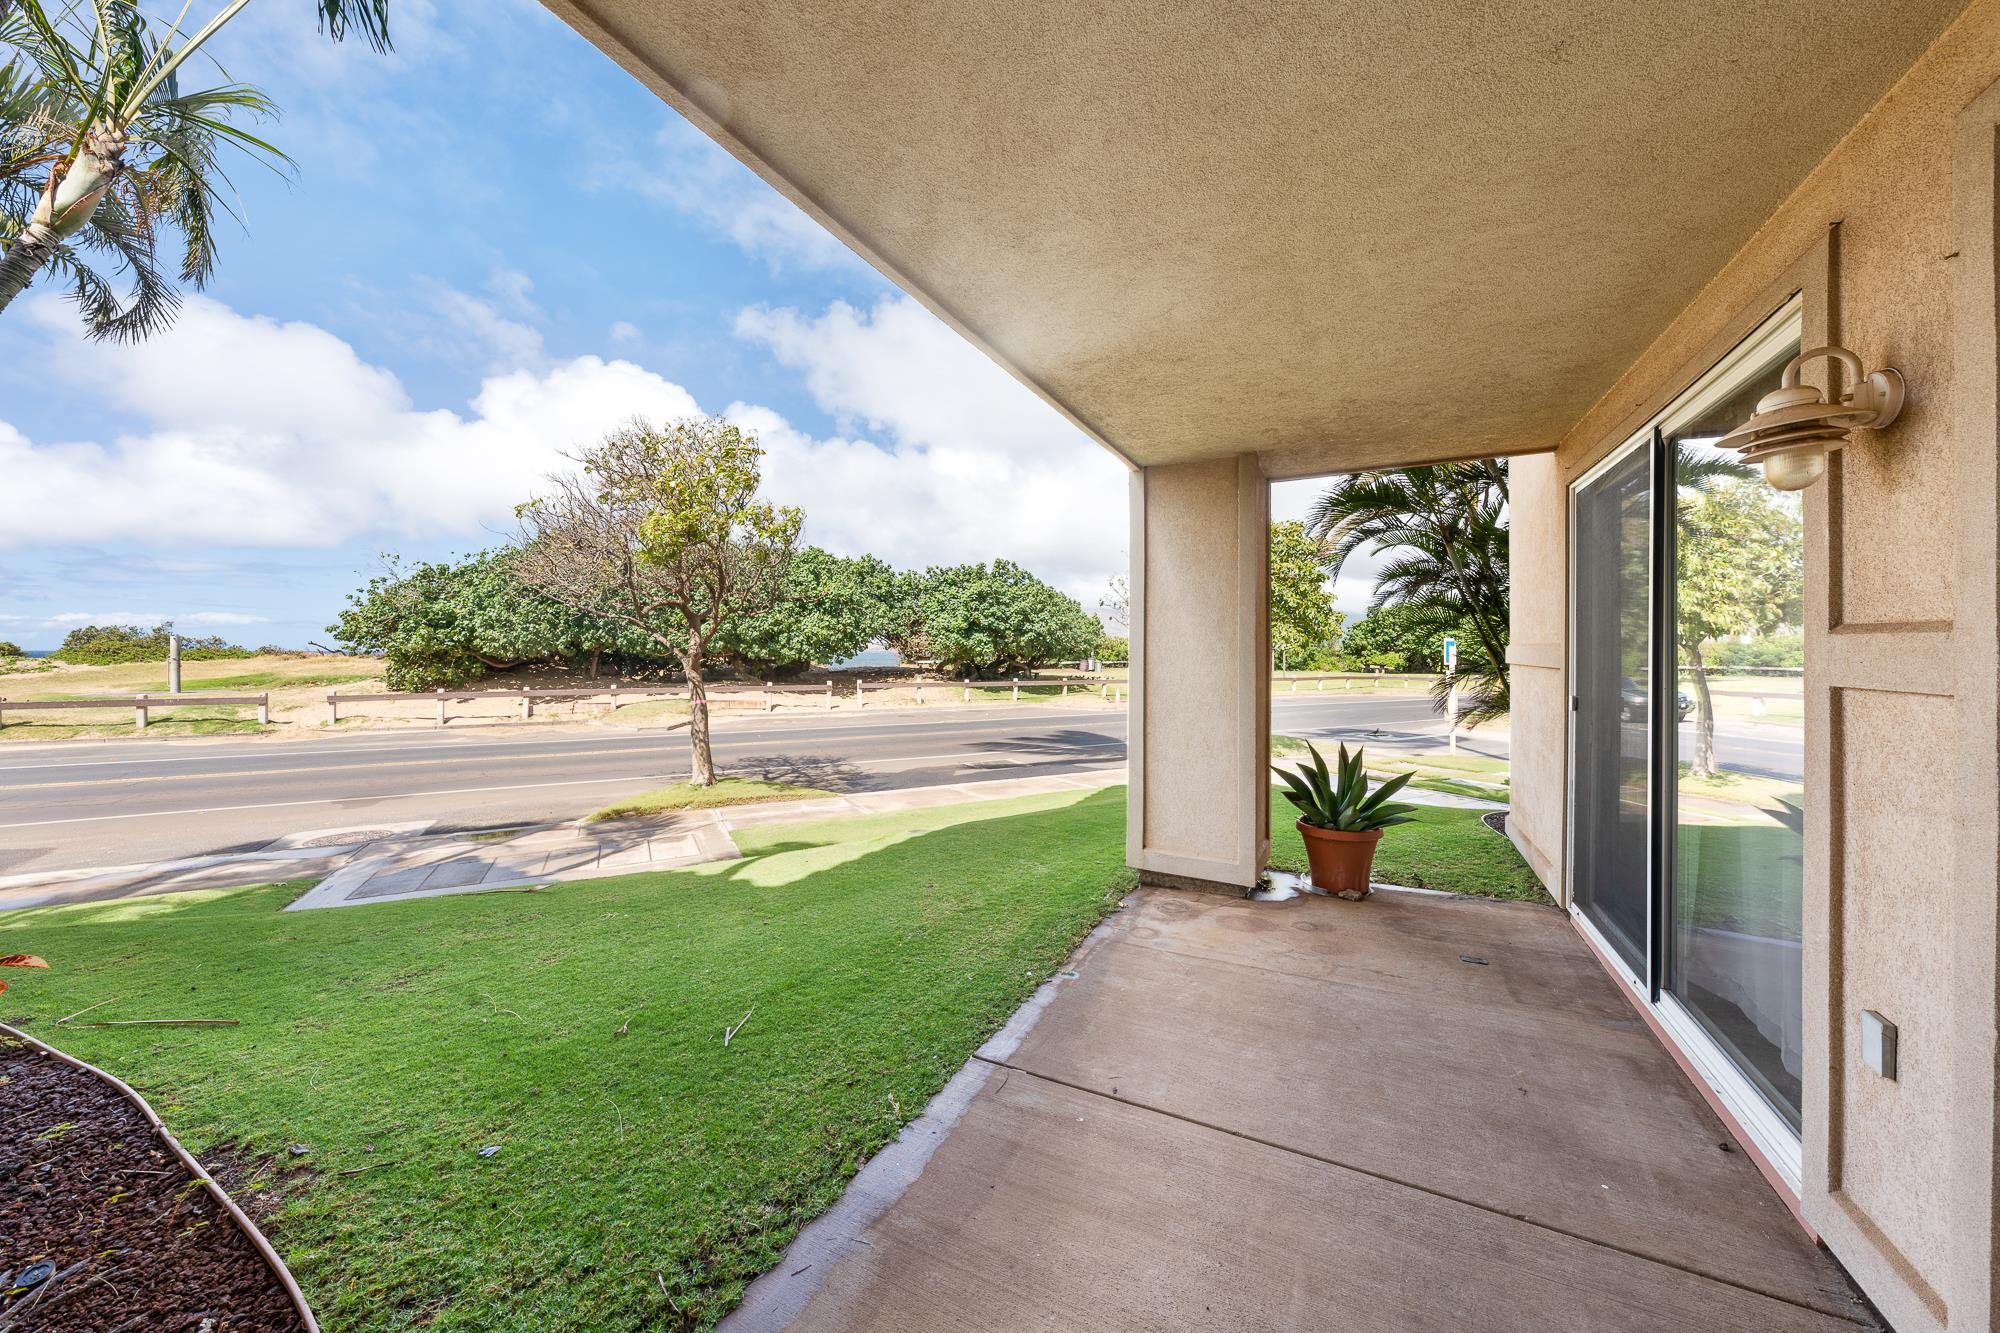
{"x":1450,"y":654}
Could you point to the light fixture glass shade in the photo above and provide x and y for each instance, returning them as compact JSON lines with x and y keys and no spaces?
{"x":1795,"y":425}
{"x":1795,"y":470}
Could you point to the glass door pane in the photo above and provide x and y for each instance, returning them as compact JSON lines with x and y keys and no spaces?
{"x":1611,"y":678}
{"x":1737,"y":847}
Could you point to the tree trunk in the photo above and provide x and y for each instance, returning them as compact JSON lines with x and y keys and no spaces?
{"x":1704,"y":715}
{"x":595,"y":653}
{"x":703,"y":774}
{"x":67,"y":204}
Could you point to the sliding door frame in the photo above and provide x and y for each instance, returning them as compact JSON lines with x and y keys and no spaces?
{"x":1704,"y":1059}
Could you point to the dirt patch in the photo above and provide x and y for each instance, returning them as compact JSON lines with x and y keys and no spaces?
{"x":102,"y":1229}
{"x":260,"y":1184}
{"x":1495,"y":820}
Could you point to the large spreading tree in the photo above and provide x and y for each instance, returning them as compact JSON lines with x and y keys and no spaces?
{"x":661,"y":529}
{"x":105,"y":155}
{"x":829,"y":609}
{"x":1739,"y":570}
{"x":987,"y":620}
{"x":443,"y":623}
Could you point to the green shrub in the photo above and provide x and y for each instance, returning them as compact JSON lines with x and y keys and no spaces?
{"x":9,"y":649}
{"x":110,"y":645}
{"x":1772,"y":650}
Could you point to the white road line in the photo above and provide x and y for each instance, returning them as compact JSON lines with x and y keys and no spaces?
{"x":474,"y":791}
{"x":727,"y":736}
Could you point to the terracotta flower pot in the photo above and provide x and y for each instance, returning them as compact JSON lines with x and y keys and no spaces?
{"x":1340,"y":862}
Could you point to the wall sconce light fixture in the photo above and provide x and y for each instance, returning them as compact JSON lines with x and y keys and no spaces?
{"x":1795,"y":427}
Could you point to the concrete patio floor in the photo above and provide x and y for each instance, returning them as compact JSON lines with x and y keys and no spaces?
{"x":1417,"y":1112}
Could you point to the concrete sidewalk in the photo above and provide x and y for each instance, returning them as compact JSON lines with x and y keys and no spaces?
{"x":576,"y":851}
{"x":1419,"y":1112}
{"x":387,"y":862}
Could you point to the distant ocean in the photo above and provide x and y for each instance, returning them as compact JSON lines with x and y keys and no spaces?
{"x":874,"y":657}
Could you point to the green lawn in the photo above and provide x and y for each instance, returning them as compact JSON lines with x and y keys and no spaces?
{"x":1740,"y":877}
{"x":642,"y":1178}
{"x":1441,"y":848}
{"x":727,"y":791}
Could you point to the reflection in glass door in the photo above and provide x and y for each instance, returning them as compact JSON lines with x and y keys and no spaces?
{"x":1611,"y":679}
{"x":1738,"y":846}
{"x":1687,"y":749}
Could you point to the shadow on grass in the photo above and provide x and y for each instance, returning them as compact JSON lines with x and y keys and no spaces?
{"x":646,"y":1172}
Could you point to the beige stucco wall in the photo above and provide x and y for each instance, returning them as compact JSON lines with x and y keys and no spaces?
{"x":1538,"y":558}
{"x":1199,"y":797}
{"x":1891,"y":242}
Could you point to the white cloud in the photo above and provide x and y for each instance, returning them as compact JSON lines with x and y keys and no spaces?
{"x":105,"y":618}
{"x":693,"y":175}
{"x":222,"y":618}
{"x":623,"y":331}
{"x":249,"y":432}
{"x":974,"y":465}
{"x":144,"y":618}
{"x":260,"y":433}
{"x":507,"y":343}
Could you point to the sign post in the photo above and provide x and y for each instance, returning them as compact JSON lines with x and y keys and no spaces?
{"x":1451,"y":692}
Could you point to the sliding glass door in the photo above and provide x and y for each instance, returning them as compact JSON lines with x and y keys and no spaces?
{"x":1737,"y":838}
{"x":1611,"y":675}
{"x":1687,"y":741}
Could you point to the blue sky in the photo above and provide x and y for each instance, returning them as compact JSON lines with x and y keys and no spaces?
{"x":495,"y":245}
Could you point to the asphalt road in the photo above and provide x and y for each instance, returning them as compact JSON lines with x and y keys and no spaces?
{"x":74,"y":805}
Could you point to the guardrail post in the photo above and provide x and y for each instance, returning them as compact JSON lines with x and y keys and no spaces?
{"x":332,"y":709}
{"x":527,"y":705}
{"x":1319,"y":684}
{"x":264,"y":711}
{"x":440,"y":694}
{"x":1017,"y":689}
{"x":858,"y":701}
{"x":764,"y":696}
{"x":920,"y":693}
{"x":139,"y":713}
{"x":968,"y":689}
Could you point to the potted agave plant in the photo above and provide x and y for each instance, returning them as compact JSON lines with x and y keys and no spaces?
{"x":1342,"y":819}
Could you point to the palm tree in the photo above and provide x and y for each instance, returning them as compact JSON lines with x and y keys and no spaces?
{"x":102,"y":154}
{"x":1444,"y":526}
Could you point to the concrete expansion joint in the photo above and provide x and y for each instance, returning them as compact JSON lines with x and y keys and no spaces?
{"x":1397,"y":1181}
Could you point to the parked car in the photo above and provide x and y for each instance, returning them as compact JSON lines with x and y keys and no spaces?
{"x":1632,"y":702}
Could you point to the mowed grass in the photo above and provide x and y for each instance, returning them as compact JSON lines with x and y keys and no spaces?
{"x":1440,"y":848}
{"x":645,"y":1172}
{"x":291,"y":682}
{"x":725,"y":791}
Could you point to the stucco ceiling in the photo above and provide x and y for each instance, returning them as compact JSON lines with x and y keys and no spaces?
{"x":1338,"y":234}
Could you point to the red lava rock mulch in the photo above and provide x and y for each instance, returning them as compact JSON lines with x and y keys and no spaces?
{"x":102,"y":1229}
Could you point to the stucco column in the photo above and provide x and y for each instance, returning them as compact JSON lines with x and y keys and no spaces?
{"x":1199,"y":800}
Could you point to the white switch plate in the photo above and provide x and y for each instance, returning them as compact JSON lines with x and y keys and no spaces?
{"x":1878,"y":1043}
